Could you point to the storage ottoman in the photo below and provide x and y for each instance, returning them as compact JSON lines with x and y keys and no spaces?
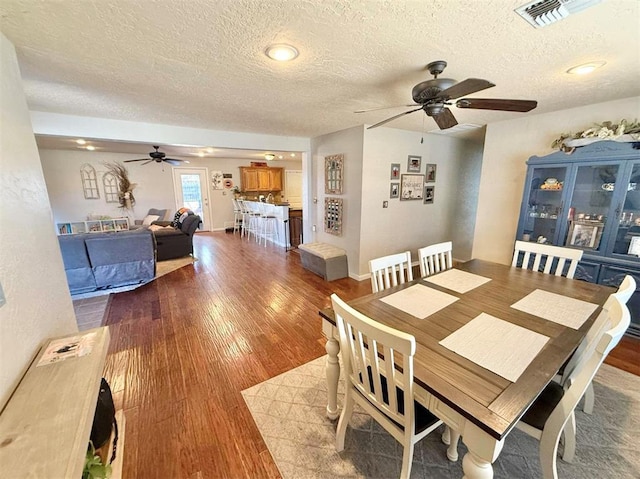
{"x":325,"y":260}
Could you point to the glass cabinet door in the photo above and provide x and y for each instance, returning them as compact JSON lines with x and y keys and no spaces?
{"x":590,"y":207}
{"x":627,"y":230}
{"x":544,"y":205}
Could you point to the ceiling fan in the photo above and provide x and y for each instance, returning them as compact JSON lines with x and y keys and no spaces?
{"x":433,"y":96}
{"x":159,"y":157}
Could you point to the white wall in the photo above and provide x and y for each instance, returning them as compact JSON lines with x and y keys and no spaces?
{"x":350,"y":143}
{"x":369,"y":230}
{"x":31,"y":272}
{"x":508,"y":145}
{"x":411,"y":224}
{"x":154,"y":184}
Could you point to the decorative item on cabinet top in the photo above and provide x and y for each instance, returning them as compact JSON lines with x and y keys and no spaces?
{"x":623,"y":131}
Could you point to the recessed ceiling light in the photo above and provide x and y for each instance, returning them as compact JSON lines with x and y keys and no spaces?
{"x":269,"y":157}
{"x":91,"y":147}
{"x":209,"y":150}
{"x":585,"y":68}
{"x":80,"y":141}
{"x":281,"y":52}
{"x":280,"y":157}
{"x":293,"y":155}
{"x":201,"y":154}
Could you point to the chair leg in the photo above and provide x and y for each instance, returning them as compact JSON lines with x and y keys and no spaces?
{"x":549,"y":450}
{"x":345,"y":417}
{"x":589,"y":399}
{"x":407,"y":459}
{"x":569,"y":439}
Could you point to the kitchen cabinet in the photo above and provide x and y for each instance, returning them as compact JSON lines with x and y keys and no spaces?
{"x":260,"y":179}
{"x":589,"y":200}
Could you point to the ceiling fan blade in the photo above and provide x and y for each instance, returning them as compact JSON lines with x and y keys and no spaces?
{"x":445,"y":119}
{"x":139,"y":159}
{"x":465,"y":87}
{"x":146,"y":162}
{"x":386,"y":108}
{"x":392,"y":118}
{"x":497,"y":104}
{"x":174,"y":161}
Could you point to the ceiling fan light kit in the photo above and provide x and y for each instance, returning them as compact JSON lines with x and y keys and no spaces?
{"x":585,"y":68}
{"x":435,"y":95}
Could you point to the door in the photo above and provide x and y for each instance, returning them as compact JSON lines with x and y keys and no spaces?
{"x":191,"y":190}
{"x":293,"y":187}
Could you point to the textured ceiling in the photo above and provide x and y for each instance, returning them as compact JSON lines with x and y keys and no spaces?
{"x":200,"y":63}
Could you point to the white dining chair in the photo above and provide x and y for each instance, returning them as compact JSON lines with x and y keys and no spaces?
{"x":624,"y":293}
{"x":435,"y":258}
{"x":552,"y":413}
{"x":369,"y":351}
{"x":389,"y":271}
{"x":552,"y":259}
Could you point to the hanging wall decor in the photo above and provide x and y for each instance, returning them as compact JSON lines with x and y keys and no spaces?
{"x":411,"y":187}
{"x":333,"y":174}
{"x":333,"y":216}
{"x":89,"y":182}
{"x":110,"y":185}
{"x":125,"y":187}
{"x":216,"y":180}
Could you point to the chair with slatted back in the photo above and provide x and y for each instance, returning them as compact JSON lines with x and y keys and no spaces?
{"x":435,"y":258}
{"x":624,"y":293}
{"x":390,"y":271}
{"x":369,"y":351}
{"x":552,"y":413}
{"x":237,"y":216}
{"x":552,"y":259}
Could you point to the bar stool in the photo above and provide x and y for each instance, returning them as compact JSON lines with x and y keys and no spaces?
{"x":269,"y":228}
{"x":248,"y":217}
{"x":237,"y":216}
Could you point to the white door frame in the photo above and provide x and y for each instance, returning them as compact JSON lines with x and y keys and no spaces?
{"x":203,"y":172}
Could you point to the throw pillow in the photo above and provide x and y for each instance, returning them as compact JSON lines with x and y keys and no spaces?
{"x":179,"y":217}
{"x":149,"y":219}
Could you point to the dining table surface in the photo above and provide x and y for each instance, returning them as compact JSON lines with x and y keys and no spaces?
{"x":488,"y":400}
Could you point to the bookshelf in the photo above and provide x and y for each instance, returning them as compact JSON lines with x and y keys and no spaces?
{"x":92,"y":226}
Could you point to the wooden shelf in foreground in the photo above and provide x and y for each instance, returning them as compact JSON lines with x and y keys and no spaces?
{"x":45,"y":426}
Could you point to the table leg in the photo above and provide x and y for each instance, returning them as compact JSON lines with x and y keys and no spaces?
{"x":333,"y":375}
{"x":476,"y":468}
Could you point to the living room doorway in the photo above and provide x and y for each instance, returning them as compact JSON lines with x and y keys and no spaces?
{"x":191,"y":191}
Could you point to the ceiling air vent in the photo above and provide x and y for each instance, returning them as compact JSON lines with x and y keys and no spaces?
{"x":545,"y":12}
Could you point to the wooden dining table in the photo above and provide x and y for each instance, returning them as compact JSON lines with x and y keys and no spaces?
{"x":481,"y":406}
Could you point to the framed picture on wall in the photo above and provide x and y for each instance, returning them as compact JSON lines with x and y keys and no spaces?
{"x":395,"y":171}
{"x":394,"y":191}
{"x":411,"y":187}
{"x":429,"y":192}
{"x":414,"y":164}
{"x":431,"y":173}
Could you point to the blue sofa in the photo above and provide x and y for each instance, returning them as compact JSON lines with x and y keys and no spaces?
{"x":108,"y":260}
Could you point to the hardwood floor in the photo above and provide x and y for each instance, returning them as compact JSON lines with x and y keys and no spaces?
{"x":184,"y":346}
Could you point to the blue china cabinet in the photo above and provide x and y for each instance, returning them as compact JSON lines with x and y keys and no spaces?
{"x":590,"y":200}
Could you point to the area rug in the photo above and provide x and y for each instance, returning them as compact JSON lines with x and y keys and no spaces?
{"x":289,"y":411}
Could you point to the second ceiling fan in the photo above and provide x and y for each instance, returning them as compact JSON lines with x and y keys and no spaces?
{"x":435,"y":95}
{"x":159,"y":157}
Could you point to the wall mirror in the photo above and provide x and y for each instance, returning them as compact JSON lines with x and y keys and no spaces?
{"x":333,"y":174}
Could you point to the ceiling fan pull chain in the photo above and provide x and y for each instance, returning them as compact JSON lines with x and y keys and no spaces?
{"x":422,"y":139}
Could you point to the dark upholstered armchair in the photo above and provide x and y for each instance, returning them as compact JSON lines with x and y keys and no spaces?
{"x":176,"y":242}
